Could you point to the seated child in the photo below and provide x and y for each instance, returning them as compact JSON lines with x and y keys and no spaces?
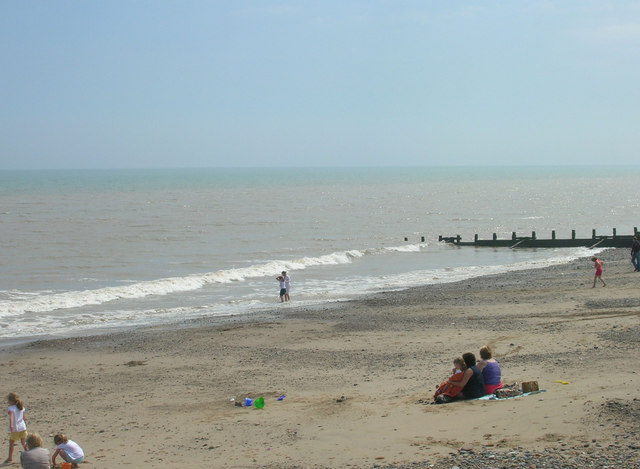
{"x":445,"y":392}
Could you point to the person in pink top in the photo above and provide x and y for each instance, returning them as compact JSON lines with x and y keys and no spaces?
{"x":597,"y":263}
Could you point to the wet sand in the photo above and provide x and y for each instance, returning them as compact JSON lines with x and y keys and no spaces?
{"x":356,"y":377}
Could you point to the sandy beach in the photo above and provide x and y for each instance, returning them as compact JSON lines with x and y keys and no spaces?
{"x":357,"y":379}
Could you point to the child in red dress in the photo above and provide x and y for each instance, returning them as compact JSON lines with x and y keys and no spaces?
{"x":597,"y":263}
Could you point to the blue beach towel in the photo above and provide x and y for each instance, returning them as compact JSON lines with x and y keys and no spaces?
{"x":492,"y":397}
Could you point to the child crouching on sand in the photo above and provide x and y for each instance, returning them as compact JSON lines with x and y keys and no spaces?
{"x":68,"y":450}
{"x":445,"y":392}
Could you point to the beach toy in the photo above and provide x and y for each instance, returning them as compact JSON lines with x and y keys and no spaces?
{"x":562,"y":382}
{"x":259,"y":403}
{"x":281,"y":397}
{"x":66,"y":465}
{"x":248,"y":401}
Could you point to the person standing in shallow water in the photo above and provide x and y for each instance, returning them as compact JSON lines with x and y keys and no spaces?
{"x":287,"y":285}
{"x":597,"y":263}
{"x":283,"y":289}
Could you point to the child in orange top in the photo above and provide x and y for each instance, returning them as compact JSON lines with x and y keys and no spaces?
{"x":597,"y":263}
{"x":445,"y":391}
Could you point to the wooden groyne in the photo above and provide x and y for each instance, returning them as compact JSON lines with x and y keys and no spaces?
{"x":603,"y":241}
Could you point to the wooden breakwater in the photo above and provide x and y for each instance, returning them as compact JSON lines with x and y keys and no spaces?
{"x":604,"y":241}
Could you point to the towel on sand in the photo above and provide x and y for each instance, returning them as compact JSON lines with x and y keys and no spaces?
{"x":492,"y":397}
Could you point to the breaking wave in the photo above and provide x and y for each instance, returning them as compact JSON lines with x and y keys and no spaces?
{"x":164,"y":286}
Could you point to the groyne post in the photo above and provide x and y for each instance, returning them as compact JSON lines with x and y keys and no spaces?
{"x":615,"y":241}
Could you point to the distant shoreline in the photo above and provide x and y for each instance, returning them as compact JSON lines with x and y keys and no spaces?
{"x":279,"y":311}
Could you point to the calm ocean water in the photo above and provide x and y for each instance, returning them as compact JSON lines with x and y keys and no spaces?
{"x":87,"y":250}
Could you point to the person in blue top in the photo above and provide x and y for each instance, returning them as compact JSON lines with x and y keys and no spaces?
{"x":490,"y":369}
{"x":283,"y":288}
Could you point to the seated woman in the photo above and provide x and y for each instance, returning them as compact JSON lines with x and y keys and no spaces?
{"x":472,"y":383}
{"x":445,"y":392}
{"x":36,"y":457}
{"x":490,"y":371}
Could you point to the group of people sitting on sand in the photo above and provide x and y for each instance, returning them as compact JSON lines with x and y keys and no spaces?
{"x":470,"y":379}
{"x":34,"y":455}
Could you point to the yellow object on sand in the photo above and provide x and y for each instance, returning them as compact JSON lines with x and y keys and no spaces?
{"x":562,"y":382}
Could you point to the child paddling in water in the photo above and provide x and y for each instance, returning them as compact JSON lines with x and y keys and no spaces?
{"x":283,"y":288}
{"x":597,"y":263}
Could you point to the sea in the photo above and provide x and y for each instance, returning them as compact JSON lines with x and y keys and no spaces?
{"x":88,"y":251}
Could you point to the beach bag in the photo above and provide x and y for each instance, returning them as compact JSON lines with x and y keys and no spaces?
{"x":530,"y":386}
{"x":508,"y":390}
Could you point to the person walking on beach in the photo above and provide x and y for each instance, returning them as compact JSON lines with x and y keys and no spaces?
{"x":283,"y":289}
{"x":287,"y":285}
{"x":598,"y":265}
{"x":17,"y":425}
{"x":635,"y":254}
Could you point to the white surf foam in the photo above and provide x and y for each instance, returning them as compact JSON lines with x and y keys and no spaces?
{"x":73,"y":299}
{"x":311,"y":291}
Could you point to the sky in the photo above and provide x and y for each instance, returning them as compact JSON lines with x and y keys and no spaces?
{"x":212,"y":83}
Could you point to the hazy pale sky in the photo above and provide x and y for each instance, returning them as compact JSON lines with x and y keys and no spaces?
{"x":116,"y":84}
